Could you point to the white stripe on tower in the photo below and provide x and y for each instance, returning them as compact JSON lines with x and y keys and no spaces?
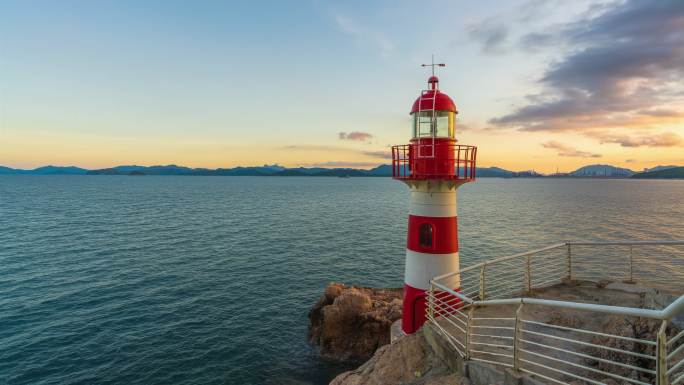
{"x":426,"y":203}
{"x":422,"y":267}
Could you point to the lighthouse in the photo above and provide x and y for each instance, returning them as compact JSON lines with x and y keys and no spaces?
{"x":433,"y":166}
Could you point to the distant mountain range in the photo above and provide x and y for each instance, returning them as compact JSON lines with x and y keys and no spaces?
{"x":591,"y":171}
{"x":662,"y":173}
{"x":602,"y":170}
{"x":46,"y":170}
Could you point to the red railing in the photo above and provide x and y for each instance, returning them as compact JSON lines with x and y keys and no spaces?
{"x":446,"y":162}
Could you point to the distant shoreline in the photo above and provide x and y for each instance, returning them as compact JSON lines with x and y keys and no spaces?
{"x":356,"y":176}
{"x":586,"y":172}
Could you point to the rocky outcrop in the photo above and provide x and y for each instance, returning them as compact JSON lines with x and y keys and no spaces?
{"x":351,"y":323}
{"x":410,"y":361}
{"x":346,"y":320}
{"x":637,"y":328}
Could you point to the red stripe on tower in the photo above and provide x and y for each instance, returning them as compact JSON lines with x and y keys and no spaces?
{"x":433,"y":166}
{"x":433,"y":235}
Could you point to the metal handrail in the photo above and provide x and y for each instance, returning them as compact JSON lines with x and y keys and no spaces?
{"x":625,"y":243}
{"x":501,"y":277}
{"x":475,"y":266}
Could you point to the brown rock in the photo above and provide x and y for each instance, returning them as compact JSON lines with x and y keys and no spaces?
{"x":610,"y":381}
{"x":568,"y":320}
{"x":621,"y":326}
{"x":450,"y":379}
{"x":410,"y":360}
{"x":332,"y":291}
{"x":350,"y":323}
{"x":639,"y":328}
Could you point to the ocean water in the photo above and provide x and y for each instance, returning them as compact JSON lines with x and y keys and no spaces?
{"x":208,"y":280}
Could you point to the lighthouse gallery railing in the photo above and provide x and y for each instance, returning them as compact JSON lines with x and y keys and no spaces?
{"x":490,"y":318}
{"x":456,"y":163}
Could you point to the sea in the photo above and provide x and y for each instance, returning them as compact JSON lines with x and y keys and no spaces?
{"x":208,"y":280}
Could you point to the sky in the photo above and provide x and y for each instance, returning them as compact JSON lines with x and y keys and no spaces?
{"x":539,"y":85}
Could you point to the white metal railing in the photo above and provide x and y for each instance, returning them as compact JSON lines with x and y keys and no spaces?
{"x":485,"y":313}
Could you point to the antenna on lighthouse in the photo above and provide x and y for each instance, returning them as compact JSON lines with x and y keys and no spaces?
{"x":433,"y":65}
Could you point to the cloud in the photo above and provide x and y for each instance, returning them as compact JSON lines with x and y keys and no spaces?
{"x":666,"y":139}
{"x":313,"y":147}
{"x":534,"y":10}
{"x":472,"y":126}
{"x":495,"y":33}
{"x":491,"y":33}
{"x":565,"y":150}
{"x":355,"y":136}
{"x":383,"y":154}
{"x":387,"y":154}
{"x":347,"y":25}
{"x":536,"y":41}
{"x":661,"y":112}
{"x":365,"y":35}
{"x":621,"y":72}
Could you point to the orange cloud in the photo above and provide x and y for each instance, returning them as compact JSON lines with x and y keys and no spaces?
{"x":565,"y":150}
{"x":666,"y":139}
{"x":355,"y":136}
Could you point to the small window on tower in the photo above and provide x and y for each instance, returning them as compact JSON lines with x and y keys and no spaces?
{"x":426,"y":235}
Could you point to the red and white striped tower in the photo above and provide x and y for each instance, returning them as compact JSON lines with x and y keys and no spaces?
{"x":433,"y":166}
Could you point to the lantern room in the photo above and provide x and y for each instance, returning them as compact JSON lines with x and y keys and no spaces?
{"x":434,"y":113}
{"x":432,"y":152}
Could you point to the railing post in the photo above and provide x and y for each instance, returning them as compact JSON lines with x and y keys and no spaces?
{"x":631,"y":264}
{"x":661,"y":355}
{"x":431,"y":302}
{"x":528,"y":273}
{"x":467,"y":334}
{"x":569,"y":262}
{"x":518,"y":337}
{"x":482,"y":282}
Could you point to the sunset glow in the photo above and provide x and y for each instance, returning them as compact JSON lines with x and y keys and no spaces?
{"x":538,"y":85}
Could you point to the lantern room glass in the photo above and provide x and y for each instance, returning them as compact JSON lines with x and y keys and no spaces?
{"x":423,"y":127}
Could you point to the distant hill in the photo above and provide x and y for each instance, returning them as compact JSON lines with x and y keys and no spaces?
{"x":658,"y":168}
{"x":343,"y":172}
{"x":122,"y":170}
{"x":7,"y":170}
{"x":56,"y":170}
{"x":45,"y":170}
{"x":493,"y":172}
{"x":274,"y":167}
{"x":667,"y":173}
{"x":602,"y":170}
{"x":171,"y":169}
{"x":382,"y":170}
{"x":497,"y":172}
{"x":527,"y":174}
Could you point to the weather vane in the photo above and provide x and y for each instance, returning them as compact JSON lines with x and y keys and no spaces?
{"x":433,"y":65}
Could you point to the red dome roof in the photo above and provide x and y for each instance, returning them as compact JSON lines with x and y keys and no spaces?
{"x":442,"y":101}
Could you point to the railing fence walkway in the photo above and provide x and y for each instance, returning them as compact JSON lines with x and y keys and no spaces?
{"x":493,"y":316}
